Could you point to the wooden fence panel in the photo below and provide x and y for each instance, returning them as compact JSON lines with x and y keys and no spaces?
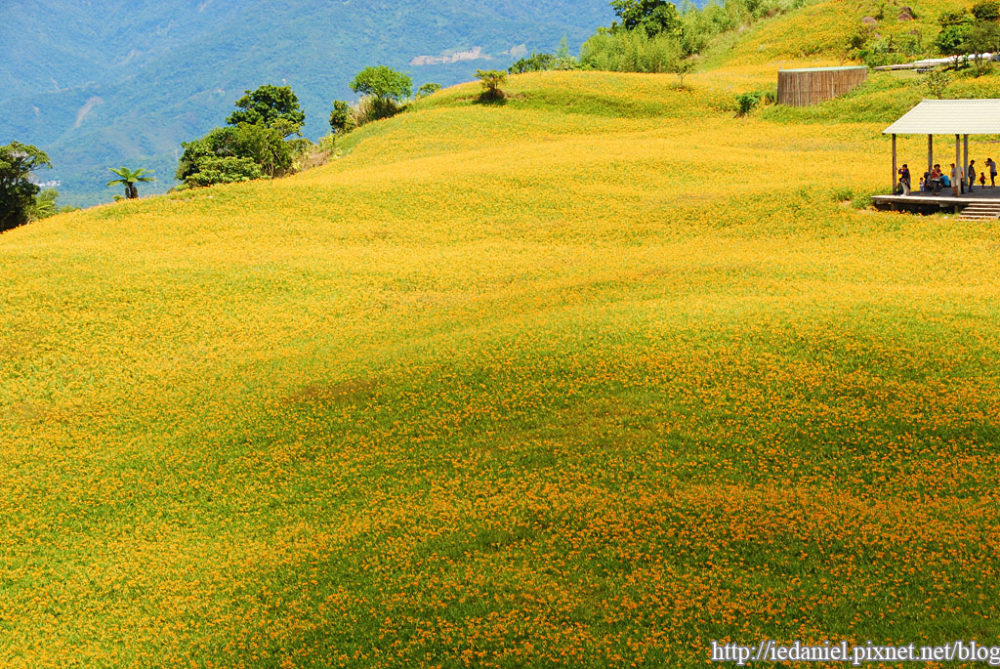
{"x":801,"y":88}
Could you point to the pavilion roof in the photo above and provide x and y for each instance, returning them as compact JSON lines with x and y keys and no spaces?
{"x":949,"y":117}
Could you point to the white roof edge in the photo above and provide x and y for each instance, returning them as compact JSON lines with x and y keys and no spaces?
{"x":977,"y":116}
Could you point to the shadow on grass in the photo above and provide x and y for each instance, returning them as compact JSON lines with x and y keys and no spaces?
{"x":492,"y":98}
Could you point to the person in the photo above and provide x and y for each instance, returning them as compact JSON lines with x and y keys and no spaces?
{"x":904,"y":178}
{"x":936,"y":179}
{"x":956,"y":179}
{"x":971,"y":176}
{"x":993,"y":172}
{"x":982,"y":179}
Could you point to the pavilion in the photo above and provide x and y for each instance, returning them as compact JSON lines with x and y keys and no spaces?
{"x":951,"y":118}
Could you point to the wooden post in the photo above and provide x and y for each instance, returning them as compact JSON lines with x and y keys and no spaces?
{"x":895,"y":172}
{"x":965,"y":161}
{"x":958,"y":161}
{"x":930,"y":153}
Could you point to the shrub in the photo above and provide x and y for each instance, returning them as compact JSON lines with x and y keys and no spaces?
{"x":989,"y":10}
{"x":428,"y":89}
{"x":536,"y":62}
{"x":264,"y":146}
{"x":341,"y":118}
{"x":491,"y":81}
{"x":631,"y":51}
{"x":224,"y":170}
{"x":371,"y":108}
{"x":747,"y":102}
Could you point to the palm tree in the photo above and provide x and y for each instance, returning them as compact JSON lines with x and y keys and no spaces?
{"x":129,"y":179}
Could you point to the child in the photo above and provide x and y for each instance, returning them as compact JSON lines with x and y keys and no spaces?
{"x":982,"y":179}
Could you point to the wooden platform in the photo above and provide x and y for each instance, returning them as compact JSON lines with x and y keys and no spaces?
{"x":945,"y":200}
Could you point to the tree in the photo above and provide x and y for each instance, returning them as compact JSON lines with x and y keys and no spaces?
{"x":264,"y":146}
{"x":653,"y":16}
{"x":492,"y":80}
{"x":341,"y":118}
{"x":681,"y":67}
{"x":428,"y":89}
{"x":954,"y":40}
{"x":383,"y":83}
{"x":536,"y":62}
{"x":224,"y":170}
{"x":45,"y":204}
{"x":272,"y":107}
{"x":385,"y":89}
{"x":129,"y":179}
{"x":17,"y":192}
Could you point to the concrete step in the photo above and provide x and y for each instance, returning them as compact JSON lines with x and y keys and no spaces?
{"x":980,"y":211}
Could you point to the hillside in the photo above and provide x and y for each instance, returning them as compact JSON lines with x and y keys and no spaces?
{"x":103,"y":83}
{"x":592,"y":378}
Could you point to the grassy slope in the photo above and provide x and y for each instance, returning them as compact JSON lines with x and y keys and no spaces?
{"x":593,"y":378}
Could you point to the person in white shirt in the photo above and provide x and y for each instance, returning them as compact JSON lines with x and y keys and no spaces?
{"x":956,"y":179}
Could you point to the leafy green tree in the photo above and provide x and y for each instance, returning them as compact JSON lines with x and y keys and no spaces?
{"x":272,"y":107}
{"x":130,"y":179}
{"x":341,"y":118}
{"x":954,"y":39}
{"x":653,"y":16}
{"x":983,"y":38}
{"x":428,"y":89}
{"x":45,"y":204}
{"x":491,"y":81}
{"x":224,"y":170}
{"x":536,"y":62}
{"x":264,"y":146}
{"x":17,"y":192}
{"x":386,"y":86}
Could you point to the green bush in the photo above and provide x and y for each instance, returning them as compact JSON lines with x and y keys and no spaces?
{"x":631,"y":51}
{"x":747,"y":102}
{"x":341,"y":118}
{"x":536,"y":62}
{"x":218,"y":170}
{"x":491,"y":81}
{"x":989,"y":10}
{"x":428,"y":89}
{"x":264,"y":146}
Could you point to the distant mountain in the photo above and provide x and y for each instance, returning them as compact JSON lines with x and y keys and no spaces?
{"x":102,"y":83}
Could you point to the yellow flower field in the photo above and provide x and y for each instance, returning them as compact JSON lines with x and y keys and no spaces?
{"x":592,"y":378}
